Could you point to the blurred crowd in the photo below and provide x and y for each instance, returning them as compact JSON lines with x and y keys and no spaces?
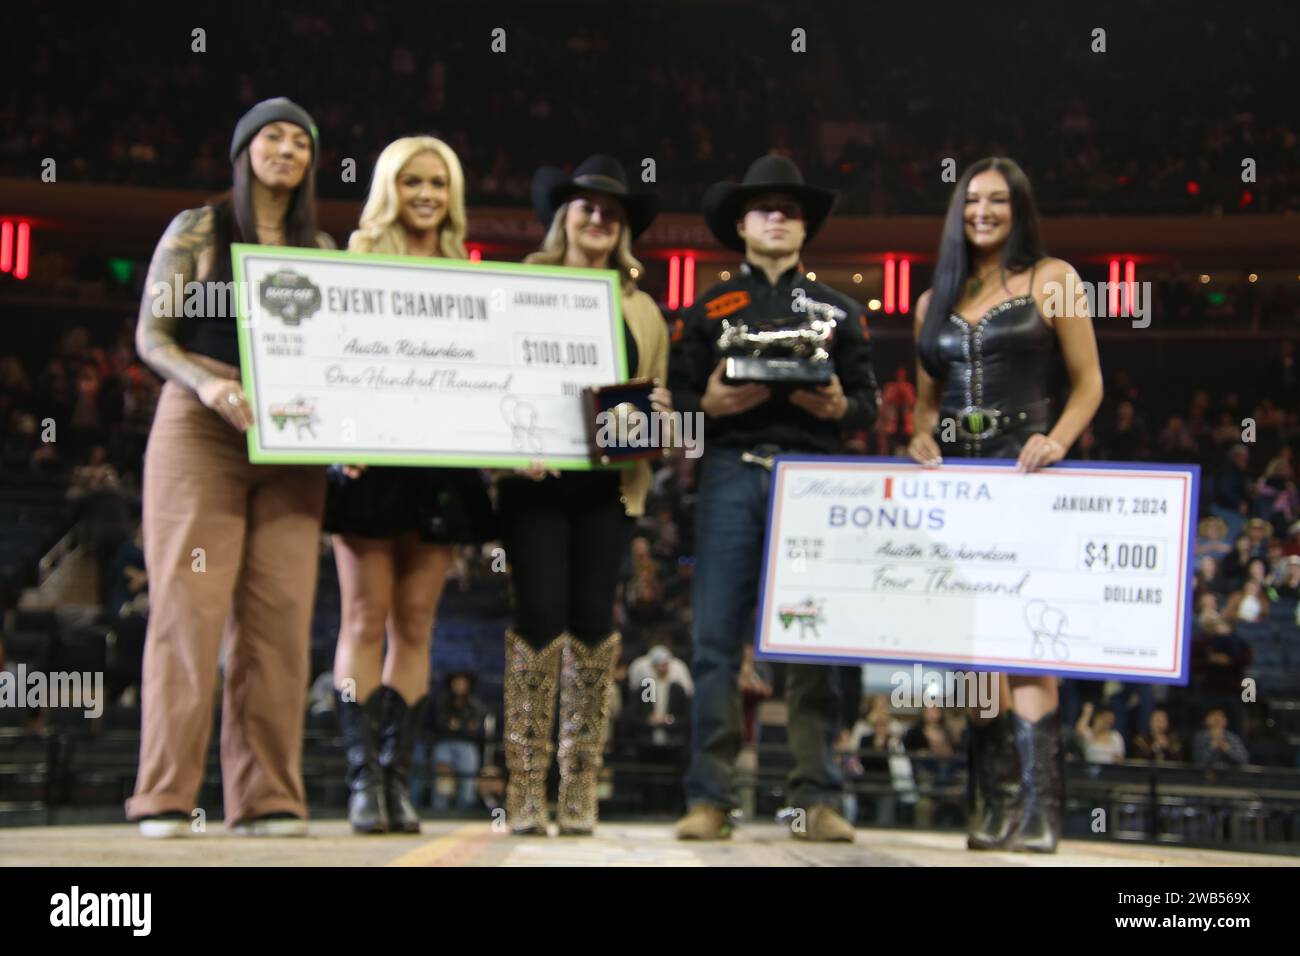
{"x":95,"y":401}
{"x":85,"y":411}
{"x":869,"y":108}
{"x":702,"y":88}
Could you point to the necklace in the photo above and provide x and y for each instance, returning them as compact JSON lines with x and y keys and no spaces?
{"x":978,"y":282}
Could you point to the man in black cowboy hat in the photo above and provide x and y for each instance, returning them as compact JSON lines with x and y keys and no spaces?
{"x":769,"y":216}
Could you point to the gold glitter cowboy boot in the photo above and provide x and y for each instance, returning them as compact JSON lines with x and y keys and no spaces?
{"x":585,"y":676}
{"x":530,"y":681}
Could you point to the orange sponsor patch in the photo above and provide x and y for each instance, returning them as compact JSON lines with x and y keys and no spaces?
{"x":725,"y":305}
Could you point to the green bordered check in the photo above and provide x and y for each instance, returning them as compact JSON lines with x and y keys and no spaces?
{"x":374,"y":359}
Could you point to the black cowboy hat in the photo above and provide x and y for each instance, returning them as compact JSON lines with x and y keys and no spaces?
{"x":724,"y":202}
{"x":552,"y":188}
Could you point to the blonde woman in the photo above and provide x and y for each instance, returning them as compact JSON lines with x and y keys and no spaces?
{"x":566,"y":534}
{"x":394,"y":528}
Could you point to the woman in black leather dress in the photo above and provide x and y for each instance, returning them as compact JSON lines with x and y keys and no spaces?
{"x":989,"y":355}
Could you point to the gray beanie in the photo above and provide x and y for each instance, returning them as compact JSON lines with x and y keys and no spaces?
{"x":280,"y":109}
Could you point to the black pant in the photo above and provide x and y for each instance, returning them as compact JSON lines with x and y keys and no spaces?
{"x":565,"y":538}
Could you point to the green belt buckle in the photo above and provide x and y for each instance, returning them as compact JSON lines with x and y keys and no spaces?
{"x":979,"y":423}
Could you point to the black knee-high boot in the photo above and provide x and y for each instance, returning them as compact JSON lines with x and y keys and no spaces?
{"x":359,"y":724}
{"x":995,"y":776}
{"x":398,"y":727}
{"x":1043,"y":778}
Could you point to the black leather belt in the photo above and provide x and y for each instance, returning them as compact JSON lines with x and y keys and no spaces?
{"x":980,"y":423}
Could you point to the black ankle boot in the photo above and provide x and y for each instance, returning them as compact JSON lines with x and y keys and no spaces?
{"x":359,"y":724}
{"x":1042,"y":776}
{"x":995,"y":776}
{"x":398,"y":725}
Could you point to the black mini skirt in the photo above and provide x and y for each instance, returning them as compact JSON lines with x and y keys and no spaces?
{"x":441,"y":505}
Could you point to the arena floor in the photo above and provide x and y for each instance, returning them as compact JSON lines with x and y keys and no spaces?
{"x":616,"y":844}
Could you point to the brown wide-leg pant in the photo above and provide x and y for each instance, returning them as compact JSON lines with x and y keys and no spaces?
{"x":253,"y":582}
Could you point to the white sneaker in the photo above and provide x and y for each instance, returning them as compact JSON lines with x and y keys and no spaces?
{"x":164,"y":827}
{"x":275,"y":826}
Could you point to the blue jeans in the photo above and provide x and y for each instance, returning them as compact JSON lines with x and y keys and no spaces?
{"x":730,"y":517}
{"x":462,"y":757}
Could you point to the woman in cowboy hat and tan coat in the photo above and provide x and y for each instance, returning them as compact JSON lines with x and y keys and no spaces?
{"x":565,"y":534}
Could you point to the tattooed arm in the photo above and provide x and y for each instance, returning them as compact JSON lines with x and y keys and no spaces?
{"x":186,"y":241}
{"x":189,"y":234}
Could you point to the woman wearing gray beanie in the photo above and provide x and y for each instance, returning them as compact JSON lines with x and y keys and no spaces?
{"x":230,"y":546}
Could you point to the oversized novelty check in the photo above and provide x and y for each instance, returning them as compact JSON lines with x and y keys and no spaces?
{"x":1079,"y":569}
{"x":373,"y":359}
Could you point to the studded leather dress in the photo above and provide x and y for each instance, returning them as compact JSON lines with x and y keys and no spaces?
{"x":998,"y":377}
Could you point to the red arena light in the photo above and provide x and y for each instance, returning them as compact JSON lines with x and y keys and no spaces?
{"x":6,"y":246}
{"x":889,"y":285}
{"x":1113,"y":287}
{"x":24,"y":250}
{"x":1130,"y":285}
{"x":15,"y":247}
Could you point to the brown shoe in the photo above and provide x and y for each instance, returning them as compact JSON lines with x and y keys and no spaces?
{"x":704,"y":822}
{"x":824,"y":825}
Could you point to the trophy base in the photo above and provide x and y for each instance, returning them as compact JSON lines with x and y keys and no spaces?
{"x":779,"y":371}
